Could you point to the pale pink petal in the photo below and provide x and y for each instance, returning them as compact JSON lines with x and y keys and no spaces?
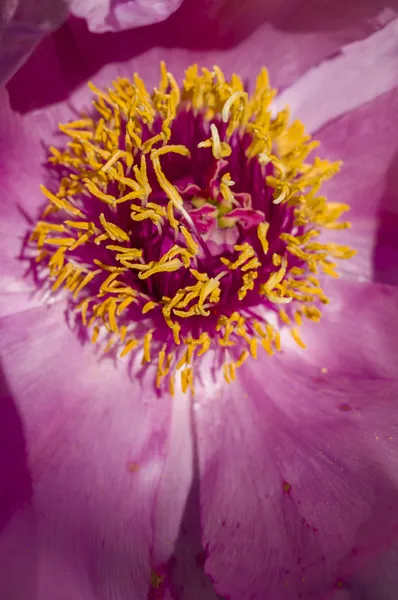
{"x":366,"y":141}
{"x":362,"y":71}
{"x":358,"y":333}
{"x":109,"y":15}
{"x":177,"y":475}
{"x":21,"y":172}
{"x":354,"y":99}
{"x":23,"y":161}
{"x":94,"y":446}
{"x":299,"y":469}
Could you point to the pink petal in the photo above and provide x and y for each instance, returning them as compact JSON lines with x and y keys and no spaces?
{"x":23,"y":160}
{"x":367,"y":143}
{"x":358,"y":333}
{"x":84,"y":491}
{"x":362,"y":71}
{"x":289,"y":37}
{"x":176,"y":481}
{"x":23,"y":23}
{"x":204,"y":218}
{"x":22,"y":170}
{"x":246,"y":216}
{"x":367,"y":97}
{"x":105,"y":15}
{"x":298,"y":470}
{"x":7,"y":10}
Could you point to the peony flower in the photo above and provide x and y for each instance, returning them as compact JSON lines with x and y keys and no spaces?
{"x":236,"y":463}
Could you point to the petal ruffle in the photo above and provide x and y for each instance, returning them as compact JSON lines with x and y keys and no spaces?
{"x":97,"y":444}
{"x":299,"y":468}
{"x":106,"y":15}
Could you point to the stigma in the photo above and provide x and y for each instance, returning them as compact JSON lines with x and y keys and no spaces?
{"x":188,"y":220}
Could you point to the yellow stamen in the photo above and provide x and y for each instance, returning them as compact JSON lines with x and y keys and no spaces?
{"x":296,"y":336}
{"x":95,"y":334}
{"x":190,"y":242}
{"x":168,"y":267}
{"x":262,"y":230}
{"x":123,"y":305}
{"x":166,"y":186}
{"x":114,"y":232}
{"x":118,"y":154}
{"x":148,"y":306}
{"x":131,"y":344}
{"x":85,"y":281}
{"x":220,"y":149}
{"x":95,"y":191}
{"x":170,"y":215}
{"x":147,"y":346}
{"x":227,"y":106}
{"x":105,"y":161}
{"x":242,"y":358}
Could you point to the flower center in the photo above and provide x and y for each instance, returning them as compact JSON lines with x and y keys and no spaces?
{"x":187,"y":220}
